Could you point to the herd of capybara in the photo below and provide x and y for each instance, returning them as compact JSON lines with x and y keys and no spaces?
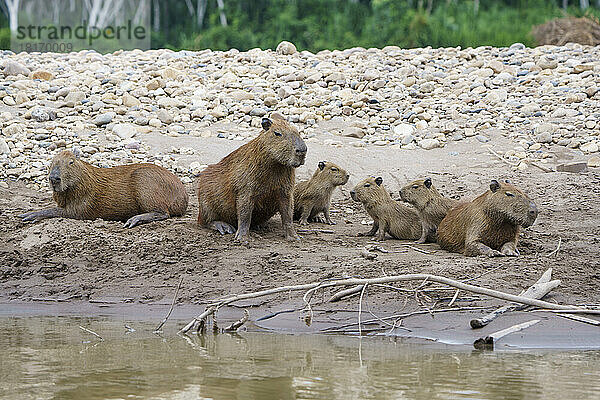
{"x":257,"y":180}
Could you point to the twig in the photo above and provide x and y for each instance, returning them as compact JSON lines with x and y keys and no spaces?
{"x":91,"y":332}
{"x":345,"y":293}
{"x":164,"y":321}
{"x":580,"y":319}
{"x":207,"y":311}
{"x":573,"y":311}
{"x":381,"y":280}
{"x":555,"y":251}
{"x":367,"y":254}
{"x":545,"y":169}
{"x":417,"y":249}
{"x":454,"y":298}
{"x":536,"y":291}
{"x":315,"y":231}
{"x":489,"y":341}
{"x":360,"y":309}
{"x":502,"y":158}
{"x":238,"y":324}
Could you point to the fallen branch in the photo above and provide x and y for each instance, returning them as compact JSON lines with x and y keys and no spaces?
{"x":164,"y":321}
{"x":545,"y":169}
{"x":345,"y":293}
{"x":373,"y":281}
{"x":91,"y":332}
{"x":538,"y":290}
{"x":502,"y":158}
{"x":572,"y":311}
{"x":238,"y":324}
{"x":579,"y":318}
{"x":315,"y":231}
{"x":555,"y":251}
{"x":487,"y":343}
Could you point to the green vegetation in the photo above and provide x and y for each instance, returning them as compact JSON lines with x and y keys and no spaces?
{"x":329,"y":24}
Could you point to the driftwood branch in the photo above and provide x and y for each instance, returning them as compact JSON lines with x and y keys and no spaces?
{"x":238,"y":324}
{"x":91,"y":332}
{"x":164,"y":321}
{"x":345,"y":293}
{"x":538,"y":290}
{"x":488,"y":342}
{"x":373,"y":281}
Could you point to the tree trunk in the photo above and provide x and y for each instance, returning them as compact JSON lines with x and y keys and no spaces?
{"x":222,"y":16}
{"x":13,"y":14}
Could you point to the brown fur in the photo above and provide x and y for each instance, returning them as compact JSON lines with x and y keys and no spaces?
{"x":389,"y":216}
{"x":121,"y":193}
{"x":313,"y":197}
{"x":254,"y":182}
{"x":430,"y":204}
{"x":490,"y":224}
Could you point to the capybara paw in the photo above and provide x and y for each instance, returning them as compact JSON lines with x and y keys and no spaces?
{"x":223,"y":227}
{"x":31,"y":216}
{"x":303,"y":222}
{"x":510,"y":251}
{"x":133,"y":221}
{"x":293,"y":237}
{"x":495,"y":253}
{"x":421,"y":241}
{"x":241,"y":237}
{"x":330,"y":222}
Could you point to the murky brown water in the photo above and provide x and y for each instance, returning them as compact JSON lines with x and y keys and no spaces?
{"x":51,"y":358}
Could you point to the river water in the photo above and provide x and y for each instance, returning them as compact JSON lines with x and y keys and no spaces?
{"x":52,"y":358}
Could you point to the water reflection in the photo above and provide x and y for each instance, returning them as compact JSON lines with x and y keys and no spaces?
{"x":51,"y":358}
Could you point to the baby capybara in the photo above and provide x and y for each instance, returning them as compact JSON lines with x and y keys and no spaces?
{"x":313,"y":197}
{"x":430,"y":204}
{"x":135,"y":193}
{"x":254,"y":182}
{"x":389,"y":216}
{"x":490,"y":224}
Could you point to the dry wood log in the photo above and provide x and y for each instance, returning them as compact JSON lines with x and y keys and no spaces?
{"x":488,"y":342}
{"x":538,"y":290}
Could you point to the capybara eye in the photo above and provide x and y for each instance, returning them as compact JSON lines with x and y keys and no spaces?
{"x":71,"y":162}
{"x":367,"y":184}
{"x":334,"y":169}
{"x":277,"y":133}
{"x":415,"y":186}
{"x":509,"y":194}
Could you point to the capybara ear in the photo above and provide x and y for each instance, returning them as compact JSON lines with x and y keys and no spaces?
{"x":494,"y":186}
{"x":427,"y":183}
{"x":379,"y":181}
{"x":321,"y":165}
{"x":266,"y":123}
{"x":76,"y":152}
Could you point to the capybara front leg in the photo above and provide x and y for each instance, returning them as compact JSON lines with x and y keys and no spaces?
{"x":510,"y":249}
{"x":480,"y":249}
{"x":145,"y":218}
{"x":304,"y":216}
{"x":373,"y":230}
{"x":222,"y":227}
{"x":244,"y":214}
{"x":328,"y":217}
{"x":42,"y":214}
{"x":286,"y":210}
{"x":424,"y":235}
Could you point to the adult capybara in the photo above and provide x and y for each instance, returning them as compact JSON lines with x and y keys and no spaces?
{"x":389,"y":216}
{"x":312,"y":197}
{"x":135,"y":193}
{"x":490,"y":224}
{"x":254,"y":182}
{"x":430,"y":204}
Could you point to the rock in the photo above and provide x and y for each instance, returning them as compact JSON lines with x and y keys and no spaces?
{"x":258,"y":112}
{"x":219,"y":112}
{"x":482,"y":139}
{"x":169,"y":102}
{"x":14,"y":68}
{"x":589,"y":147}
{"x":579,"y":68}
{"x":130,"y":101}
{"x":429,"y":144}
{"x":154,"y":122}
{"x":285,"y":91}
{"x":9,"y":101}
{"x":409,"y":81}
{"x":421,"y":125}
{"x":575,"y":168}
{"x":545,"y":128}
{"x":354,"y":132}
{"x":403,"y":129}
{"x":547,"y":62}
{"x":164,"y":116}
{"x":42,"y":75}
{"x":4,"y":149}
{"x":74,"y":98}
{"x":124,"y":131}
{"x":270,"y":101}
{"x":43,"y":114}
{"x":593,"y":162}
{"x":285,"y":48}
{"x":370,"y":74}
{"x":169,"y":73}
{"x":407,"y":139}
{"x":544,"y":137}
{"x":517,"y":46}
{"x":316,"y":77}
{"x":104,"y":119}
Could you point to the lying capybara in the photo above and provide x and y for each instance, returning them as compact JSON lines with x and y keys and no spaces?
{"x":135,"y":193}
{"x":490,"y":224}
{"x":430,"y":204}
{"x":389,"y":216}
{"x":312,"y":197}
{"x":254,"y":182}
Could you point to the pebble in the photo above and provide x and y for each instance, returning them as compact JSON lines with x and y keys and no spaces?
{"x":594,"y":162}
{"x":286,"y":48}
{"x":104,"y":119}
{"x":429,"y":144}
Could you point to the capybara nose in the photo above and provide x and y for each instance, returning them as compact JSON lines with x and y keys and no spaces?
{"x":353,"y":195}
{"x":301,"y":152}
{"x":54,"y":179}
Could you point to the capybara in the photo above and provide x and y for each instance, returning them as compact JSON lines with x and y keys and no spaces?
{"x":430,"y":204}
{"x":254,"y":182}
{"x":135,"y":193}
{"x":490,"y":224}
{"x":312,"y":197}
{"x":389,"y":216}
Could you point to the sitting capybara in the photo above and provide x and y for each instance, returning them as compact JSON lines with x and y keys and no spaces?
{"x":430,"y":204}
{"x":312,"y":197}
{"x":490,"y":224}
{"x":389,"y":216}
{"x":135,"y":193}
{"x":254,"y":182}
